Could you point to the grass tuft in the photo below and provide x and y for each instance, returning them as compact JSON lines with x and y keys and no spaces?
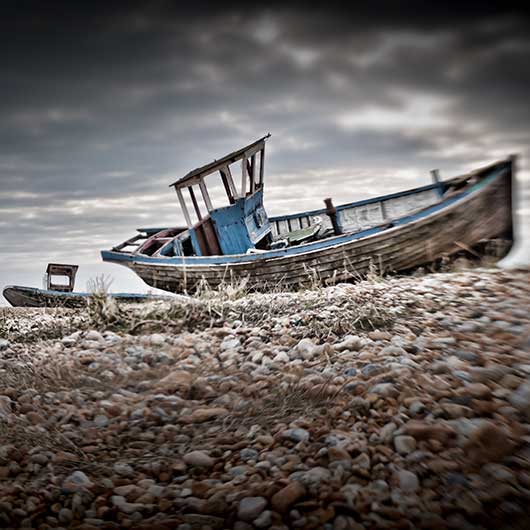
{"x":103,"y":310}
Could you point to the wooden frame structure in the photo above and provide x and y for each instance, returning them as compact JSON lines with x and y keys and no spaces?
{"x":60,"y":269}
{"x":252,"y":179}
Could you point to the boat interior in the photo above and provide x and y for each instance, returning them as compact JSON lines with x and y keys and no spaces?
{"x":241,"y":225}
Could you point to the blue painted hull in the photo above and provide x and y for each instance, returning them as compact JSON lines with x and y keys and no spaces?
{"x":481,"y":210}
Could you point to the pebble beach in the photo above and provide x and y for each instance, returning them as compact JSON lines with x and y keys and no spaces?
{"x":394,"y":403}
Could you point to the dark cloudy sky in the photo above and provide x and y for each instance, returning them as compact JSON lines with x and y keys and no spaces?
{"x":101,"y":108}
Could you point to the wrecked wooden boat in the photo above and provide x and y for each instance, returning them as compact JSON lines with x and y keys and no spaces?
{"x":61,"y":293}
{"x":238,"y":241}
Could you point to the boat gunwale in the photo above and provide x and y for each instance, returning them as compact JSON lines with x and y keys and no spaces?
{"x":355,"y":204}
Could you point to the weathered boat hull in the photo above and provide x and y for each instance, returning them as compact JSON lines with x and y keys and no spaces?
{"x":19,"y":296}
{"x":482,"y":212}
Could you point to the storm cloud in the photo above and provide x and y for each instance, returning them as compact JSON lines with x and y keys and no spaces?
{"x":100,"y":109}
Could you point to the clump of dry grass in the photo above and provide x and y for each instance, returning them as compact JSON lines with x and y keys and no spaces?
{"x":103,"y":310}
{"x":105,"y":313}
{"x":225,"y":291}
{"x":20,"y":433}
{"x":316,"y":311}
{"x":175,"y":316}
{"x":289,"y":400}
{"x":40,"y":375}
{"x":376,"y":271}
{"x":321,"y":313}
{"x":363,"y":315}
{"x":48,"y":374}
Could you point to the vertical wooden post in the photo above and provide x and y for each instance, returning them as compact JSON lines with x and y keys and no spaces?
{"x":261,"y":166}
{"x":331,"y":211}
{"x":252,"y":173}
{"x":183,"y":207}
{"x":228,"y":190}
{"x":383,"y":210}
{"x":436,"y":179}
{"x":195,"y":204}
{"x":205,"y":195}
{"x":244,"y":176}
{"x":72,"y":279}
{"x":230,"y":187}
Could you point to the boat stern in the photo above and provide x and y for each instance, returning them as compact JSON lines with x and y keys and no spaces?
{"x":11,"y":294}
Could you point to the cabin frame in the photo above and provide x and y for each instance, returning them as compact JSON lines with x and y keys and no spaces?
{"x":238,"y":226}
{"x":61,"y":269}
